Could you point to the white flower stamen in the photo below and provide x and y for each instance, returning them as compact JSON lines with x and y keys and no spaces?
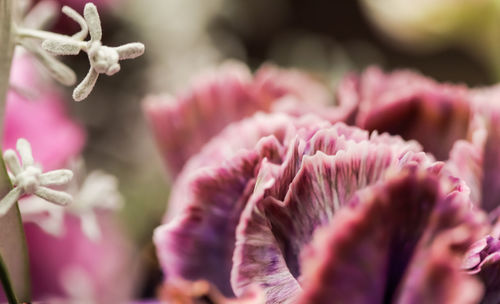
{"x":29,"y":179}
{"x":103,"y":59}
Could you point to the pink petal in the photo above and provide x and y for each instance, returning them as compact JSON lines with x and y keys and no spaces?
{"x":394,"y":246}
{"x":44,"y":122}
{"x":275,"y":227}
{"x":410,"y":105}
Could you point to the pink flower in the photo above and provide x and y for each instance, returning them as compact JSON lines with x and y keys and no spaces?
{"x":246,"y":208}
{"x":310,"y":210}
{"x":72,"y":267}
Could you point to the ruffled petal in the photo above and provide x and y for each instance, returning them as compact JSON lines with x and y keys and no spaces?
{"x":273,"y":229}
{"x":184,"y":124}
{"x":297,"y":93}
{"x":206,"y":203}
{"x":390,"y":244}
{"x":410,"y":105}
{"x":477,"y":160}
{"x":483,"y":261}
{"x":237,"y":138}
{"x":199,"y":242}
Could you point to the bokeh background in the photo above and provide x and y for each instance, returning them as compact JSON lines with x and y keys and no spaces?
{"x":183,"y":37}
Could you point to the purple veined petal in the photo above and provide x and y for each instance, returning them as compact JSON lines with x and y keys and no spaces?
{"x":388,"y":247}
{"x":238,"y":138}
{"x":199,"y":242}
{"x":410,"y":105}
{"x":437,"y":279}
{"x":483,"y":261}
{"x":273,"y":230}
{"x":272,"y":184}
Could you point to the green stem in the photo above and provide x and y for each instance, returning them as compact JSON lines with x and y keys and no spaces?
{"x":14,"y":262}
{"x":7,"y":286}
{"x":6,"y":52}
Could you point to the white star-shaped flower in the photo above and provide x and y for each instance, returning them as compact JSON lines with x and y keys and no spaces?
{"x":29,"y":179}
{"x":103,"y":59}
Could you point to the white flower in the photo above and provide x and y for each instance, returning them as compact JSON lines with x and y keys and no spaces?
{"x":29,"y":179}
{"x":98,"y":190}
{"x":103,"y":59}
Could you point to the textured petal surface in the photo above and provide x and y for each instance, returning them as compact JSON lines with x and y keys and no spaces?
{"x":275,"y":227}
{"x":390,"y":247}
{"x":483,"y":260}
{"x":238,"y":137}
{"x":415,"y":107}
{"x":476,"y":160}
{"x":198,"y":243}
{"x":211,"y":192}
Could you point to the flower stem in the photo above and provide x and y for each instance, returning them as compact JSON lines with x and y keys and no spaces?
{"x":7,"y":286}
{"x":6,"y":52}
{"x":14,"y":265}
{"x":7,"y":44}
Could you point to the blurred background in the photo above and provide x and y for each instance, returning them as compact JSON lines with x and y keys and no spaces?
{"x":443,"y":39}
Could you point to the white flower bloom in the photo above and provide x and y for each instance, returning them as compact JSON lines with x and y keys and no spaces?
{"x":103,"y":59}
{"x":98,"y":190}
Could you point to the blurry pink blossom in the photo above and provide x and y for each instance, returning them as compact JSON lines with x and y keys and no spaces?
{"x":76,"y":254}
{"x":76,"y":268}
{"x":43,"y":121}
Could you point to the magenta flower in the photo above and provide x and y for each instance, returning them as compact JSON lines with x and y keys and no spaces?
{"x":454,"y":123}
{"x":245,"y":209}
{"x":297,"y":207}
{"x":183,"y":124}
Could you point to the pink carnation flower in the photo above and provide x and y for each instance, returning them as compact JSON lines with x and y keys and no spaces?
{"x":296,"y":208}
